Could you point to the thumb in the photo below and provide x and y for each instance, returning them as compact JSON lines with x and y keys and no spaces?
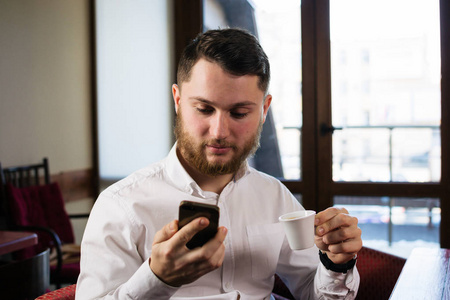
{"x":166,"y":232}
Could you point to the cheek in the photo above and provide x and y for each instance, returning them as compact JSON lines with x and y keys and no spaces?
{"x":195,"y":126}
{"x":245,"y":130}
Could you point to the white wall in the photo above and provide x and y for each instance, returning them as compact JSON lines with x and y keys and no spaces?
{"x":134,"y":65}
{"x":45,"y":83}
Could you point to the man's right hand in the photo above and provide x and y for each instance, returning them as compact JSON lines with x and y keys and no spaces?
{"x":174,"y":263}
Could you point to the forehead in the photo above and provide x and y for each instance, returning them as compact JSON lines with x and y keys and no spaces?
{"x":209,"y":81}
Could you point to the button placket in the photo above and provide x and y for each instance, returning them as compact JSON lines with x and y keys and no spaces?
{"x":228,"y":263}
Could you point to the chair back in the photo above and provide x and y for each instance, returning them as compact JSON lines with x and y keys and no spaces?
{"x":379,"y":272}
{"x":27,"y":175}
{"x":31,"y":200}
{"x":20,"y":176}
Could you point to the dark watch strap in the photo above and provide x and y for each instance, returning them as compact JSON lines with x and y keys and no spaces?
{"x":329,"y":265}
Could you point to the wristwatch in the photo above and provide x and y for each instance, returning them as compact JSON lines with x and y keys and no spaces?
{"x":341,"y":268}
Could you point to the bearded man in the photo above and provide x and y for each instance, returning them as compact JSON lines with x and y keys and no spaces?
{"x":133,"y":247}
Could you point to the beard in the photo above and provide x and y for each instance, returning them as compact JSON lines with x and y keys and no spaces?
{"x":195,"y":153}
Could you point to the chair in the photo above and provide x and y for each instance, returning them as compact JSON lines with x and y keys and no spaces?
{"x":35,"y":204}
{"x":25,"y":279}
{"x":65,"y":293}
{"x":379,"y":272}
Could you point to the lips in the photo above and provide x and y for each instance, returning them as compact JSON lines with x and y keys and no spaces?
{"x":219,"y":149}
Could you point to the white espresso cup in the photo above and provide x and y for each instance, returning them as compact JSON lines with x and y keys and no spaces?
{"x":299,"y":228}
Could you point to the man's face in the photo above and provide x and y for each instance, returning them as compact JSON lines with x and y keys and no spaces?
{"x":219,"y":118}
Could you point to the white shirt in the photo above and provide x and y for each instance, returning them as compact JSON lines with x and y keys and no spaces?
{"x":118,"y":239}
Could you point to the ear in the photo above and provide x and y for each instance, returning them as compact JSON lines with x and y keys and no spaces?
{"x":266,"y":106}
{"x":176,"y":96}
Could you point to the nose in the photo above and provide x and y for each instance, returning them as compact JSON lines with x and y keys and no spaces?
{"x":219,"y":126}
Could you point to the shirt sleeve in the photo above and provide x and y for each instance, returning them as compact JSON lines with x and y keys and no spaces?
{"x":113,"y":262}
{"x":334,"y":285}
{"x":307,"y":278}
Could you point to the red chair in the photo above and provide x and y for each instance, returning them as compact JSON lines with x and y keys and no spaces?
{"x":32,"y":203}
{"x":379,"y":272}
{"x":66,"y":293}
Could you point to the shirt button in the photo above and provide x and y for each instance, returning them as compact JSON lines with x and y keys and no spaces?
{"x":337,"y":281}
{"x":228,"y":285}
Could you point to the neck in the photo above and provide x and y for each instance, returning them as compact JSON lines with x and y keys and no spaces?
{"x":207,"y":183}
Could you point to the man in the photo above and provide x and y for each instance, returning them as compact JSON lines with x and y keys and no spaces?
{"x":132,"y":247}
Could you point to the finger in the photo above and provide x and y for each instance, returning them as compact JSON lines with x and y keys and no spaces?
{"x":166,"y":232}
{"x":211,"y":255}
{"x":214,"y":262}
{"x":336,"y":222}
{"x":320,"y":244}
{"x":185,"y":234}
{"x":342,"y":234}
{"x":343,"y":252}
{"x":218,"y":240}
{"x":219,"y":256}
{"x":328,"y":214}
{"x":220,"y":236}
{"x":348,"y":248}
{"x":210,"y":247}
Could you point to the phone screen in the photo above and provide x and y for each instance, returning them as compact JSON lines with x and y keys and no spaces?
{"x":189,"y":211}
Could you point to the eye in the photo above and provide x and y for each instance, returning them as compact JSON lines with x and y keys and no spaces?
{"x":205,"y":110}
{"x":238,"y":115}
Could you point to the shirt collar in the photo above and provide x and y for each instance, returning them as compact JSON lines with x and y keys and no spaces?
{"x":182,"y":180}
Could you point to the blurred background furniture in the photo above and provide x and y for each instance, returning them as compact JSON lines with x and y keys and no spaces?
{"x":65,"y":293}
{"x":25,"y":279}
{"x":11,"y":241}
{"x":31,"y":202}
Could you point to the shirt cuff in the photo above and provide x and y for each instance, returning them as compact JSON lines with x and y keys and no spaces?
{"x":144,"y":284}
{"x":337,"y":284}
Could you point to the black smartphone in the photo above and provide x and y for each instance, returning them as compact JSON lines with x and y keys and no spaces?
{"x":189,"y":211}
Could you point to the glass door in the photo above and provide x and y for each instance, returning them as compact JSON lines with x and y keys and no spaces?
{"x":385,"y":83}
{"x":386,"y":115}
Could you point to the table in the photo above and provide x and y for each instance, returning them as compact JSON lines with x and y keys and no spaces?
{"x":15,"y":240}
{"x":426,"y":275}
{"x":22,"y":278}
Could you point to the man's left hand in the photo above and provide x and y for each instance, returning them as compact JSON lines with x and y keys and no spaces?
{"x":337,"y":234}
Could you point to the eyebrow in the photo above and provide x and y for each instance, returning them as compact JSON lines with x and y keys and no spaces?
{"x":238,"y":104}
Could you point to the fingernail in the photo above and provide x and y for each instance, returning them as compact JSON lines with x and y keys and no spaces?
{"x":171,"y":226}
{"x":321,"y":230}
{"x":316,"y":221}
{"x":202,"y":222}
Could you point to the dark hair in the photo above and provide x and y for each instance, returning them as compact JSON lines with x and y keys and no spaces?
{"x":235,"y":50}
